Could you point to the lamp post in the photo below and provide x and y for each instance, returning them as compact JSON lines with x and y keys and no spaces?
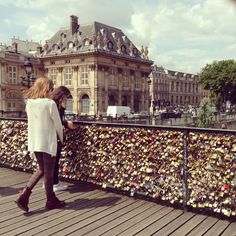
{"x":29,"y":72}
{"x":149,"y":81}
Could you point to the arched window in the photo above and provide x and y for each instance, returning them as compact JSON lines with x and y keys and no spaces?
{"x":123,"y":48}
{"x":110,"y":45}
{"x":55,"y":47}
{"x":85,"y":104}
{"x":135,"y":51}
{"x":70,"y":45}
{"x":86,"y":42}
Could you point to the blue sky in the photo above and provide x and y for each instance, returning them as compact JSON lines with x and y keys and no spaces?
{"x":182,"y":35}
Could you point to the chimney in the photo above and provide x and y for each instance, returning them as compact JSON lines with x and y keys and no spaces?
{"x":15,"y":47}
{"x":73,"y":24}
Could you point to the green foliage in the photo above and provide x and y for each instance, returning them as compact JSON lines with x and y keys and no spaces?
{"x":220,"y":78}
{"x":205,"y":114}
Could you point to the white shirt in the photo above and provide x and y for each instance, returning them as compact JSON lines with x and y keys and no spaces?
{"x":44,"y":124}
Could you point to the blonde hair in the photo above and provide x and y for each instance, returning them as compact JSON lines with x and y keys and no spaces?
{"x":40,"y":89}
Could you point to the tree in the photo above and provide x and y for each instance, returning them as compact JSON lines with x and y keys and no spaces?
{"x":220,"y":78}
{"x":205,"y":114}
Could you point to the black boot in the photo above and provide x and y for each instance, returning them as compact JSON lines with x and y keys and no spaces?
{"x":23,"y":200}
{"x":54,"y":203}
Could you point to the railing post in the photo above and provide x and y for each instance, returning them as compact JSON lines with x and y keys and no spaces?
{"x":185,"y":170}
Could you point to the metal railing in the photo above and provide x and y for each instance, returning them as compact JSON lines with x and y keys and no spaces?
{"x":189,"y":167}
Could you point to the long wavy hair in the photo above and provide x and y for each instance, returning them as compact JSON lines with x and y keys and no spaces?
{"x":40,"y":89}
{"x":59,"y":92}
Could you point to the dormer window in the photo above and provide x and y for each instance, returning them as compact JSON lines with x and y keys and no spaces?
{"x":55,"y":47}
{"x":135,"y":51}
{"x":123,"y":48}
{"x":110,"y":45}
{"x":63,"y":35}
{"x":86,"y":42}
{"x":70,"y":45}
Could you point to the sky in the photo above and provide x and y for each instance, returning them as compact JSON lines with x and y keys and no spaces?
{"x":181,"y":35}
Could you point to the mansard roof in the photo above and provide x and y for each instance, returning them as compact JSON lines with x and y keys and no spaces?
{"x":90,"y":38}
{"x":181,"y":74}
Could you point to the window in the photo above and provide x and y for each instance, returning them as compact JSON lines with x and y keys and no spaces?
{"x":123,"y":48}
{"x":112,"y":77}
{"x":125,"y":80}
{"x":110,"y":45}
{"x":86,"y":42}
{"x":172,"y":85}
{"x":52,"y":75}
{"x":67,"y":76}
{"x":135,"y":51}
{"x":69,"y":106}
{"x":84,"y":75}
{"x":85,"y":104}
{"x":136,"y":82}
{"x":70,"y":45}
{"x":11,"y":106}
{"x":177,"y":86}
{"x":12,"y":74}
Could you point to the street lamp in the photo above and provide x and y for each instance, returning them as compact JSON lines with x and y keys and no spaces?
{"x":149,"y":81}
{"x":29,"y":71}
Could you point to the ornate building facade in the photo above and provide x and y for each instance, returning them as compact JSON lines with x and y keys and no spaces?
{"x":11,"y":73}
{"x":174,"y":88}
{"x":100,"y":65}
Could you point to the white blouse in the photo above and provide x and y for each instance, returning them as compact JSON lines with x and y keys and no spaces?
{"x":44,"y":124}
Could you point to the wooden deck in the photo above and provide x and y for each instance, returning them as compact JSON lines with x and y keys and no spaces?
{"x":94,"y":212}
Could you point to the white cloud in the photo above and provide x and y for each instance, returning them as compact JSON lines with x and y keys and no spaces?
{"x":181,"y":35}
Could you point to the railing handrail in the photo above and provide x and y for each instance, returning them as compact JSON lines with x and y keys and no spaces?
{"x":129,"y":125}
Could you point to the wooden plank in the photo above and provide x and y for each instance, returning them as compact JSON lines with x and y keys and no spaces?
{"x":159,"y":224}
{"x":175,"y":224}
{"x":189,"y":225}
{"x":115,"y":227}
{"x":96,"y":214}
{"x":25,"y":224}
{"x":146,"y":222}
{"x":22,"y":220}
{"x":203,"y":227}
{"x":218,"y":228}
{"x":111,"y":220}
{"x":75,"y":214}
{"x":230,"y":230}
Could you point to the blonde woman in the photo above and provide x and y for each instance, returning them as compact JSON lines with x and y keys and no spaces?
{"x":44,"y":125}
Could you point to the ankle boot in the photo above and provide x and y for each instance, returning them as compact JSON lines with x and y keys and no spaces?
{"x":23,"y":200}
{"x":54,"y":203}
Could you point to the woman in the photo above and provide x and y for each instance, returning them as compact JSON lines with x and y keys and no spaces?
{"x":44,"y":125}
{"x":60,"y":96}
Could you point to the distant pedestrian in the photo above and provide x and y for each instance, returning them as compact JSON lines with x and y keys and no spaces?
{"x":44,"y":125}
{"x":60,"y":96}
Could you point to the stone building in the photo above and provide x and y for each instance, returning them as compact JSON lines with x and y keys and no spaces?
{"x":174,"y":88}
{"x":100,"y":65}
{"x":11,"y":73}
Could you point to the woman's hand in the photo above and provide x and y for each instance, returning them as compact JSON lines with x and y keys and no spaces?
{"x":71,"y":125}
